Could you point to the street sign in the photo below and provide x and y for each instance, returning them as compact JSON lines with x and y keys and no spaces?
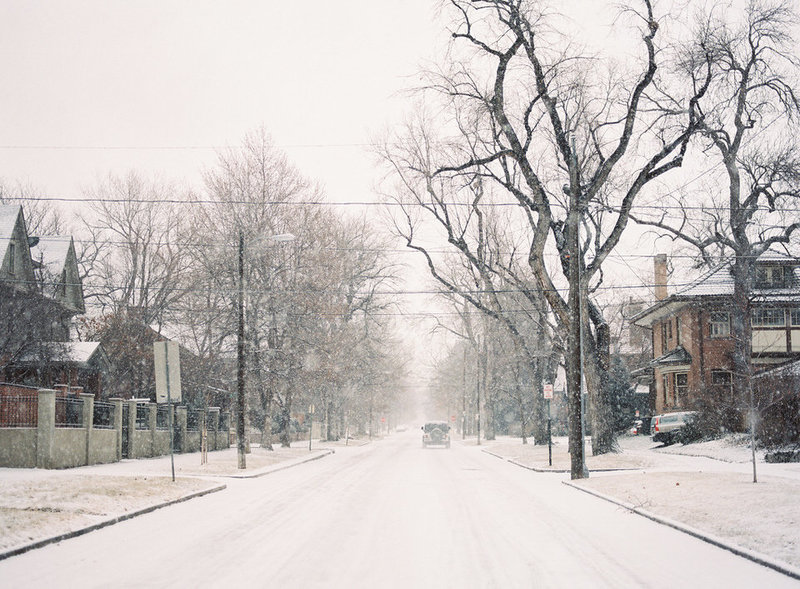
{"x":165,"y":354}
{"x":548,"y":390}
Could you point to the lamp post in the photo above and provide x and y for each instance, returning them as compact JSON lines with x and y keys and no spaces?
{"x":240,"y":351}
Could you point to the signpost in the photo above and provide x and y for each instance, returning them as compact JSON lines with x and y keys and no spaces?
{"x":166,"y":359}
{"x":547,"y":390}
{"x":310,"y":424}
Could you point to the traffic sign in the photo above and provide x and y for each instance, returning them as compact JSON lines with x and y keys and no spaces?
{"x":548,"y":390}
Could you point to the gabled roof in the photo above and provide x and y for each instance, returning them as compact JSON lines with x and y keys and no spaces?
{"x":718,"y":284}
{"x":678,"y":356}
{"x":9,"y":217}
{"x":83,"y":354}
{"x":51,"y":252}
{"x":8,"y":220}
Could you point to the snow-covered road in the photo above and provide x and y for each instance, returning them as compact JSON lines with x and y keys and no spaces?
{"x":390,"y":515}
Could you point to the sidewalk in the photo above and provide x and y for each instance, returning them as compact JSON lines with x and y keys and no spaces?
{"x":702,"y":489}
{"x":39,"y":507}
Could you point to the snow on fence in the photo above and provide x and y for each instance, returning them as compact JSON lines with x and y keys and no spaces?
{"x":47,"y":430}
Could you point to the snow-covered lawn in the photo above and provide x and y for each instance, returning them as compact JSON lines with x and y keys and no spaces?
{"x":34,"y":507}
{"x":37,"y":504}
{"x":707,"y":486}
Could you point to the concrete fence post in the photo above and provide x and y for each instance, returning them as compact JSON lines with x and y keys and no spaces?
{"x":45,"y":430}
{"x":87,"y":406}
{"x":132,"y":429}
{"x":152,"y":414}
{"x":213,"y":426}
{"x":181,"y":417}
{"x":117,"y":403}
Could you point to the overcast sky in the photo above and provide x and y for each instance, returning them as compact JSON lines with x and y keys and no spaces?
{"x":93,"y":86}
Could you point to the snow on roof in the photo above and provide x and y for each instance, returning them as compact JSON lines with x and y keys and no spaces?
{"x":78,"y":352}
{"x":8,"y":219}
{"x":51,"y":252}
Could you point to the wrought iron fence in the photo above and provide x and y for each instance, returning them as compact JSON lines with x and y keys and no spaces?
{"x":162,"y":417}
{"x":19,"y":410}
{"x":142,"y":414}
{"x":69,"y":412}
{"x":103,"y":415}
{"x":192,"y":420}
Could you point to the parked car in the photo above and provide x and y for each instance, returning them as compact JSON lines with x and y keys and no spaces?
{"x":666,"y":427}
{"x":436,"y":433}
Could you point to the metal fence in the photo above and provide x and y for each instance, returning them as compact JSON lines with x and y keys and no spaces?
{"x":103,"y":415}
{"x":192,"y":420}
{"x":69,"y":412}
{"x":19,"y":410}
{"x":162,"y":417}
{"x":141,"y":416}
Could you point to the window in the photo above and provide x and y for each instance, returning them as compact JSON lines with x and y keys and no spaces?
{"x":665,"y":387}
{"x":768,"y":318}
{"x":669,"y":329}
{"x":795,"y":317}
{"x":769,"y":276}
{"x":11,"y":258}
{"x":719,"y":324}
{"x":678,"y":337}
{"x":681,"y":385}
{"x":722,"y":381}
{"x":663,"y":338}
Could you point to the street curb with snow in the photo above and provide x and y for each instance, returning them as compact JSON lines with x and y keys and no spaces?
{"x":107,"y":522}
{"x":557,"y":470}
{"x":761,"y":559}
{"x":277,"y":467}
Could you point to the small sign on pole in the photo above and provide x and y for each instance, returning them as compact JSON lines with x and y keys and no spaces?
{"x":548,"y":390}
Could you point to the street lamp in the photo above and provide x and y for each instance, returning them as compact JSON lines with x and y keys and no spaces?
{"x":240,"y":342}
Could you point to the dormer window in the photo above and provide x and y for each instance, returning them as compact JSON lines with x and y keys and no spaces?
{"x":770,"y":277}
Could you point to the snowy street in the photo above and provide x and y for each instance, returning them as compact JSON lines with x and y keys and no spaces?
{"x":390,"y":515}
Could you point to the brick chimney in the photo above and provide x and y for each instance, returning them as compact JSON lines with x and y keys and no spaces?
{"x":660,"y":276}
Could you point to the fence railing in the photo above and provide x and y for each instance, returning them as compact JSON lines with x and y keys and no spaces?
{"x":162,"y":417}
{"x":19,"y":410}
{"x":69,"y":412}
{"x":192,"y":420}
{"x":141,"y":416}
{"x":103,"y":415}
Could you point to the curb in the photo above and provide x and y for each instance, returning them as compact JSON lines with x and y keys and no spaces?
{"x":557,"y":470}
{"x":108,"y":522}
{"x":274,"y":468}
{"x":761,"y":559}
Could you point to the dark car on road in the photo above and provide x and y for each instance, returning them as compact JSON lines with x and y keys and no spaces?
{"x":436,"y":433}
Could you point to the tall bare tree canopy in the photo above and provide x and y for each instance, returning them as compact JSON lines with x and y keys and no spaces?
{"x":562,"y":133}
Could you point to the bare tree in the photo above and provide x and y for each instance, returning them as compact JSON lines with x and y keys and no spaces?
{"x":746,"y":124}
{"x":571,"y":146}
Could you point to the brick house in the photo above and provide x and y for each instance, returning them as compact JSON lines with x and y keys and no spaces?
{"x":691,"y":330}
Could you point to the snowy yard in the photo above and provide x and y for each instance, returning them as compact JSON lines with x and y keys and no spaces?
{"x":37,"y":504}
{"x":707,"y":486}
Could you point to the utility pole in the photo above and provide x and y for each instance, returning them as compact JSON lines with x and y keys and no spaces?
{"x":574,"y":363}
{"x":240,"y":357}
